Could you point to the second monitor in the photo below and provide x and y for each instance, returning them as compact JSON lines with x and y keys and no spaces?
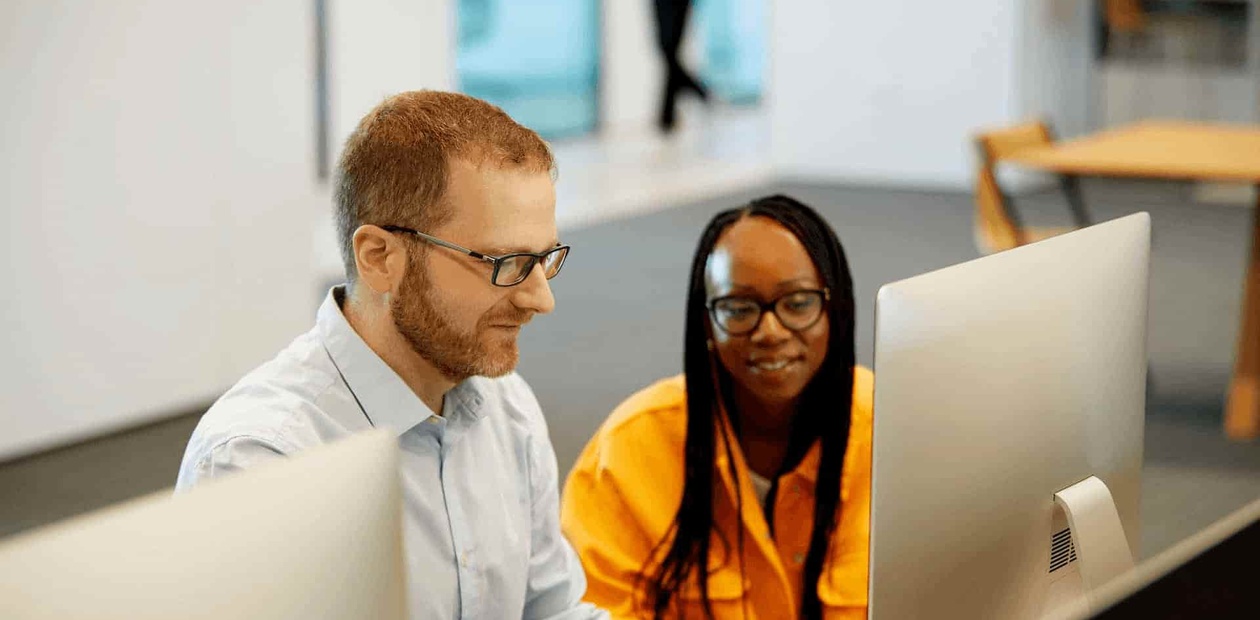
{"x":1008,"y":389}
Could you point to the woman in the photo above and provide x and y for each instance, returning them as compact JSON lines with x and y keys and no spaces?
{"x":771,"y":421}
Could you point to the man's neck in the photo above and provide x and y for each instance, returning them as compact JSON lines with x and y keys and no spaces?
{"x":378,"y":331}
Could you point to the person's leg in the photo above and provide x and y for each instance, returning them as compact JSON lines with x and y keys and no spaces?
{"x":670,"y":15}
{"x":671,"y":23}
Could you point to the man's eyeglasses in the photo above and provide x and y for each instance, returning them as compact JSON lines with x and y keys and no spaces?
{"x":509,"y":269}
{"x":797,"y":311}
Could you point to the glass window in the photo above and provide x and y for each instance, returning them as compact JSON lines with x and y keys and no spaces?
{"x":734,"y":37}
{"x":539,"y":61}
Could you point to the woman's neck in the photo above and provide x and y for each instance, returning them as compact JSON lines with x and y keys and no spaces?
{"x":765,"y":432}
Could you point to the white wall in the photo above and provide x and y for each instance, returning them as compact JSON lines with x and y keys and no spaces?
{"x":1054,"y":55}
{"x":890,"y":92}
{"x":1129,"y":92}
{"x":631,"y":71}
{"x":1253,"y":58}
{"x":165,"y":229}
{"x":378,"y":48}
{"x":162,"y":206}
{"x":1178,"y":87}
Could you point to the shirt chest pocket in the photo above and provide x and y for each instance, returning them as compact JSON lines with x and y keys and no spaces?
{"x":727,"y":590}
{"x":506,"y":516}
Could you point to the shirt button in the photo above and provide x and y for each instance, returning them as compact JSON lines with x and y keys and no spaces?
{"x":798,"y":558}
{"x":434,"y":420}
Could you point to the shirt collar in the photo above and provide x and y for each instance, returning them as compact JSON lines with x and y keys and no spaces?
{"x":806,"y":470}
{"x":386,"y":399}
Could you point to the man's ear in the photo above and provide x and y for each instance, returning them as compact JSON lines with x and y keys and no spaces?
{"x":380,"y":258}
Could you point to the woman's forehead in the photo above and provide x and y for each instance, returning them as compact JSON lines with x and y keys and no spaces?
{"x":758,"y":253}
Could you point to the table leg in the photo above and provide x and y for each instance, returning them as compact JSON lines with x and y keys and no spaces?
{"x":1242,"y":406}
{"x":1072,"y":190}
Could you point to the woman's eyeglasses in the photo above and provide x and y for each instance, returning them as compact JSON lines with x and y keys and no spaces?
{"x":797,"y":311}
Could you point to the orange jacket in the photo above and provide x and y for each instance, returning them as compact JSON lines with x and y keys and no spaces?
{"x":621,"y":496}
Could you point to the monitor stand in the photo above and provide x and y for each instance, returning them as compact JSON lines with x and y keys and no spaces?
{"x":1088,"y":546}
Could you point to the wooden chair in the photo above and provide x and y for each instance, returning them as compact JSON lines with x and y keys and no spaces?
{"x":1124,"y":15}
{"x":1124,"y":23}
{"x":997,"y":226}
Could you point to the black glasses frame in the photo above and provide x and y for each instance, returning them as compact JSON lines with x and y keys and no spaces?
{"x":497,"y":261}
{"x":769,"y":306}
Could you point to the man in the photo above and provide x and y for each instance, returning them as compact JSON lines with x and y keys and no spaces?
{"x":445,"y":213}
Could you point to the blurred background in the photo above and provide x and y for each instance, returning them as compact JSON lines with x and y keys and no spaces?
{"x":167,"y":170}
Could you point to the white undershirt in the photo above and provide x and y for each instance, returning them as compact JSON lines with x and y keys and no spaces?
{"x":761,"y":486}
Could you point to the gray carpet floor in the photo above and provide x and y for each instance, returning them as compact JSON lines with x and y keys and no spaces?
{"x":618,"y":327}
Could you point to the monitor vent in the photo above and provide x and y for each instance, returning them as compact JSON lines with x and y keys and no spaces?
{"x":1062,"y":551}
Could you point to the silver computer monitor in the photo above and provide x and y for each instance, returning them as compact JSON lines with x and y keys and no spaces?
{"x":318,"y":536}
{"x":1000,"y":383}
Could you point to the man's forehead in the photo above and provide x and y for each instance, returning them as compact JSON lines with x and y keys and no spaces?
{"x":499,"y":186}
{"x":505,"y":237}
{"x":501,"y":209}
{"x":474,"y":167}
{"x":498,"y":237}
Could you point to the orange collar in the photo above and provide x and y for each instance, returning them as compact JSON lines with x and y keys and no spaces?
{"x":806,"y":470}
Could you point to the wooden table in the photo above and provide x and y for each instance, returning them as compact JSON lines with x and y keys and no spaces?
{"x":1186,"y":151}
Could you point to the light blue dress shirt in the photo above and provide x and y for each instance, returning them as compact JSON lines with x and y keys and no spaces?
{"x":481,"y":500}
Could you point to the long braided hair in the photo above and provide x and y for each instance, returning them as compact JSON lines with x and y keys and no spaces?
{"x":822,"y":414}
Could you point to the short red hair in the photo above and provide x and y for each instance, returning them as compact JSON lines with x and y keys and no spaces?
{"x":395,"y":165}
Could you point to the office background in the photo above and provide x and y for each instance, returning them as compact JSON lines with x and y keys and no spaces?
{"x":168,"y":202}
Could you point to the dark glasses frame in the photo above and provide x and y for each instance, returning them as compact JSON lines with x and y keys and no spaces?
{"x":497,"y":261}
{"x":769,"y":306}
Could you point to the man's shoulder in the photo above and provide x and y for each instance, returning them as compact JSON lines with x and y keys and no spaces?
{"x":272,"y":403}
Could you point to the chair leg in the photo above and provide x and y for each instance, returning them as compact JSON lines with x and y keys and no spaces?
{"x":1021,"y":235}
{"x":1072,"y":190}
{"x":1242,"y":405}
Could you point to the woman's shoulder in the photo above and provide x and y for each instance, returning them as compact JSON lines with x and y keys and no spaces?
{"x":863,"y":375}
{"x":656,"y":407}
{"x":649,"y":423}
{"x":863,"y":394}
{"x":863,"y":383}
